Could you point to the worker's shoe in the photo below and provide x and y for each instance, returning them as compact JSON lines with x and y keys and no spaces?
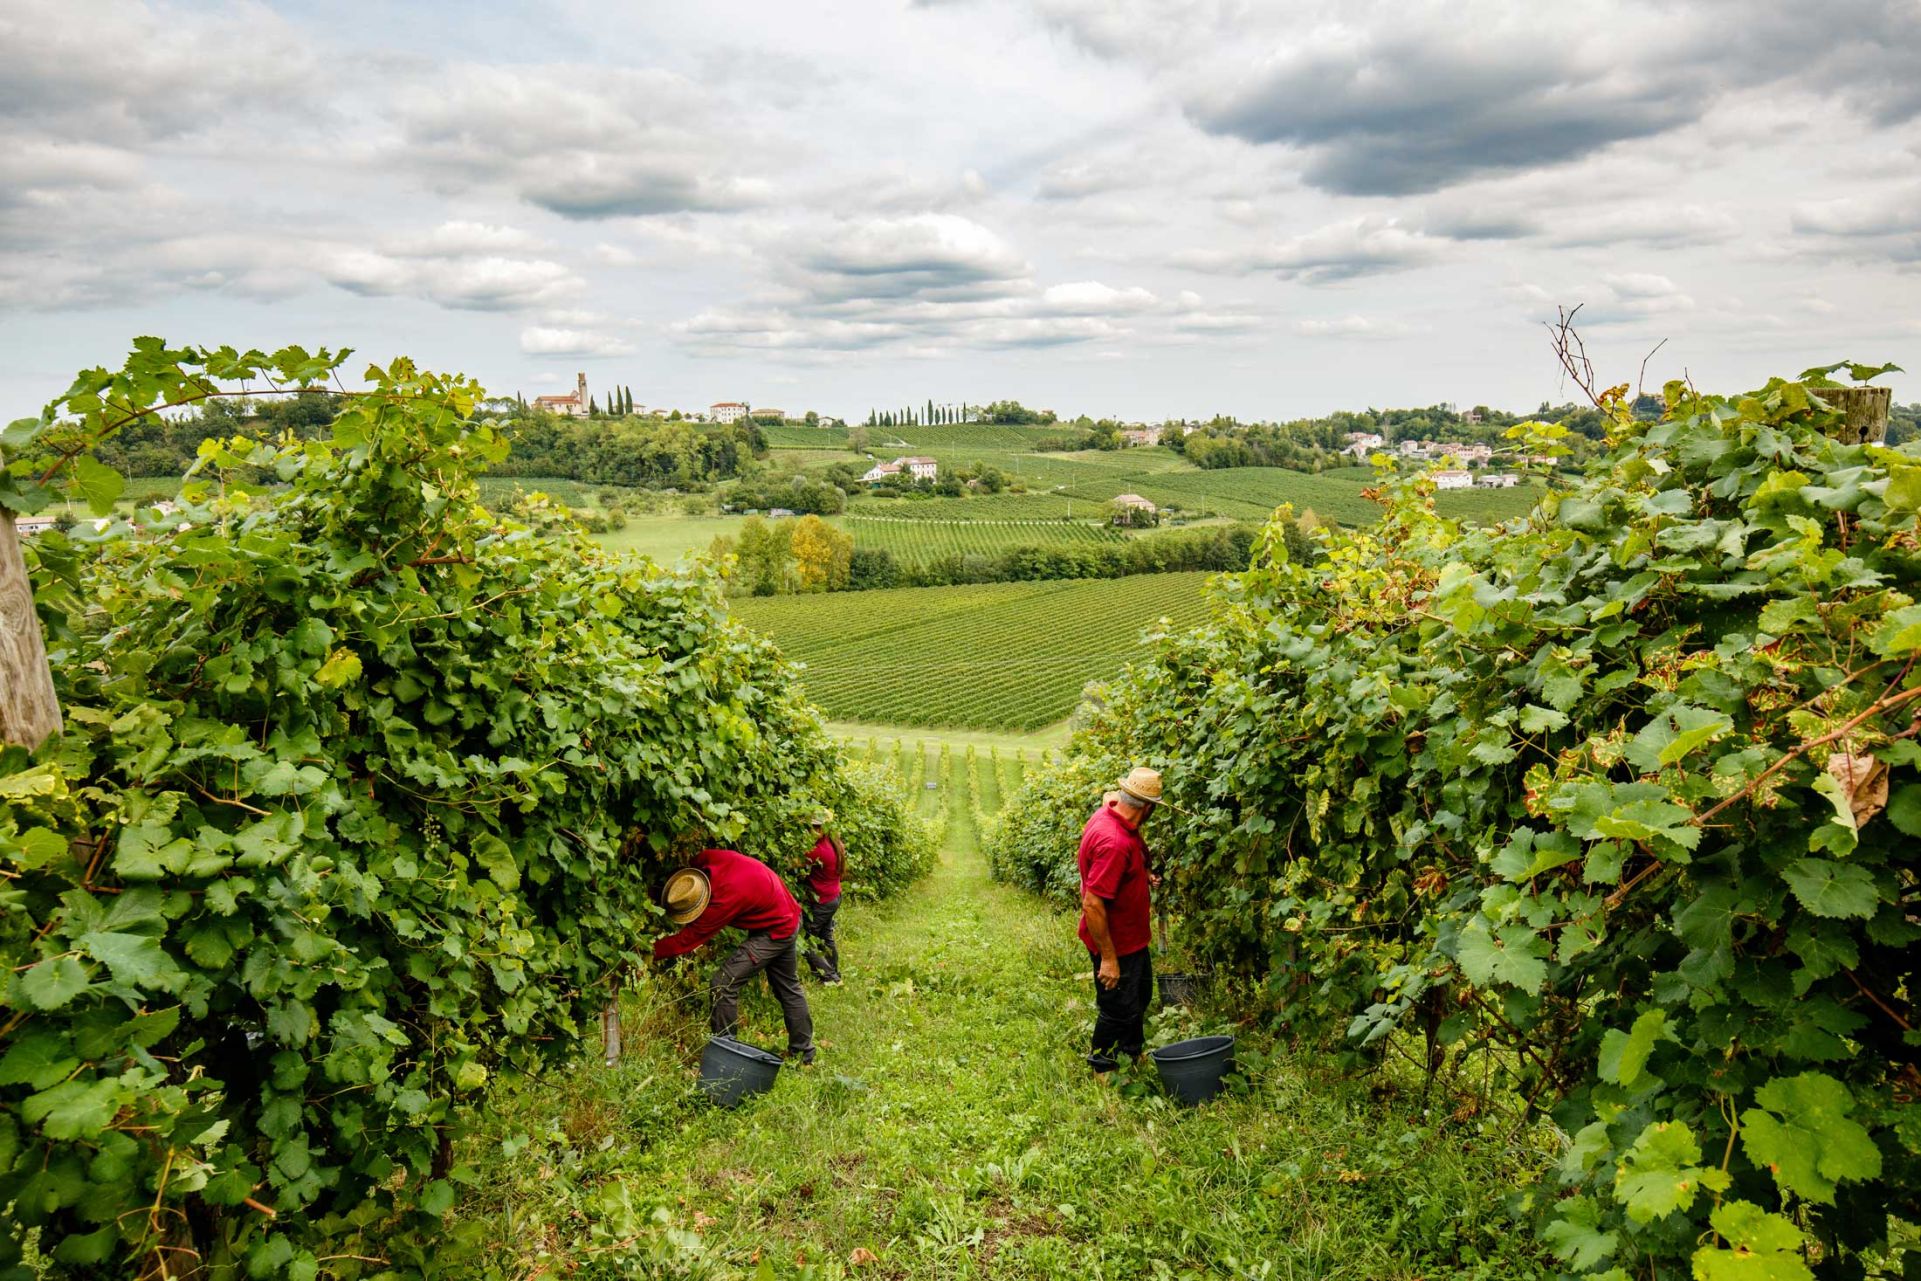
{"x":1102,"y":1062}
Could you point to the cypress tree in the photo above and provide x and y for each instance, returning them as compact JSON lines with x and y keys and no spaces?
{"x":593,"y":410}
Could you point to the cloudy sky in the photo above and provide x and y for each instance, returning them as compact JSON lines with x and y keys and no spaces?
{"x":1144,"y":208}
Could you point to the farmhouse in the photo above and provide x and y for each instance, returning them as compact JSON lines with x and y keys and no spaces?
{"x":1142,"y":436}
{"x":1132,"y":510}
{"x":771,"y":413}
{"x":1497,"y":480}
{"x":726,"y":411}
{"x":572,"y":405}
{"x":920,"y":468}
{"x":1453,"y":478}
{"x":26,"y":525}
{"x":1362,"y":443}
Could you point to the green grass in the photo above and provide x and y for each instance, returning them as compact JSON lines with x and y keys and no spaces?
{"x":998,"y":656}
{"x":667,"y":537}
{"x":951,"y":1130}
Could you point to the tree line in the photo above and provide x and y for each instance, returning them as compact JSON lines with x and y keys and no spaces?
{"x":781,"y":557}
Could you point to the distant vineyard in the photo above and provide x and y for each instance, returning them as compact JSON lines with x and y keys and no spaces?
{"x":1247,"y":493}
{"x":919,"y":541}
{"x":805,"y":437}
{"x":1004,"y":656}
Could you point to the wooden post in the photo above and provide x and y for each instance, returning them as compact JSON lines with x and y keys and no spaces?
{"x":29,"y":709}
{"x":610,"y":1032}
{"x":1864,"y":413}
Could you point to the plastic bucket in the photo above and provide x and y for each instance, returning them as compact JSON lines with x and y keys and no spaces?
{"x":1178,"y":989}
{"x":1192,"y":1070}
{"x":731,"y":1070}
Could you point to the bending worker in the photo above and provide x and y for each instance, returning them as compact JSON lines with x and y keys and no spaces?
{"x":1114,"y":917}
{"x":723,"y":888}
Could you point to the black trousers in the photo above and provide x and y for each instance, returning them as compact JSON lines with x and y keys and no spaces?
{"x":1120,"y":1014}
{"x":760,"y":952}
{"x":823,"y":959}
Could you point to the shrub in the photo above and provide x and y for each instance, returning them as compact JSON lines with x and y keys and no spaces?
{"x":1620,"y":799}
{"x":364,"y":796}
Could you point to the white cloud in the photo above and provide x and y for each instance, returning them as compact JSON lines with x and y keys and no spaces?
{"x":1341,"y":251}
{"x":541,"y":340}
{"x":488,"y":283}
{"x":581,"y":141}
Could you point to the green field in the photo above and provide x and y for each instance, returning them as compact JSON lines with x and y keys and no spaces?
{"x":919,"y":541}
{"x":999,"y":656}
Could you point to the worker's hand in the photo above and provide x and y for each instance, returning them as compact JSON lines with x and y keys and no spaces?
{"x":1109,"y":975}
{"x":1154,"y":880}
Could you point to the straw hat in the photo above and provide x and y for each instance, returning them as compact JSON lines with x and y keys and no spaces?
{"x":822,"y":817}
{"x":1143,"y":785}
{"x":686,"y":895}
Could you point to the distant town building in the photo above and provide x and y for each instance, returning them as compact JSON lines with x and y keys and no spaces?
{"x":1497,"y":479}
{"x":1453,"y":478}
{"x":726,"y":411}
{"x":572,"y":405}
{"x":28,"y":525}
{"x":1132,"y":511}
{"x":1471,"y":416}
{"x":1362,"y":443}
{"x":1142,"y":436}
{"x":771,"y":413}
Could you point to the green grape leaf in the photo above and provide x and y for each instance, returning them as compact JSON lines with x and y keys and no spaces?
{"x":1624,"y":1055}
{"x":133,"y":958}
{"x":1576,"y":1237}
{"x":1662,"y":1172}
{"x":98,"y":483}
{"x":1760,"y":1247}
{"x":1904,"y":809}
{"x":1802,"y":1132}
{"x":53,"y":982}
{"x":1827,"y":888}
{"x":1515,"y":955}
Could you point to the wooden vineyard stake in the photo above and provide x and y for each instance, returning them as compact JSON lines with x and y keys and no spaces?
{"x":1864,"y":410}
{"x":610,"y":1032}
{"x":29,"y":708}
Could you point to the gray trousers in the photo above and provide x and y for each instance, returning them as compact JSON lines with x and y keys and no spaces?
{"x":760,"y":952}
{"x":824,"y":958}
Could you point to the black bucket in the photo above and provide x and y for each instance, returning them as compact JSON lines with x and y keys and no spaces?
{"x":1192,"y":1070}
{"x":731,"y":1070}
{"x":1178,"y":989}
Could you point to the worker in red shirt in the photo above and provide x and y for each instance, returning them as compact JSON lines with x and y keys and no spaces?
{"x":826,"y":864}
{"x":1114,"y":917}
{"x":723,"y":888}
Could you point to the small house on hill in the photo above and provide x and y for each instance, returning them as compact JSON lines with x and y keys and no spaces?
{"x":1133,"y":511}
{"x":1453,"y":478}
{"x":726,"y":411}
{"x":918,"y":467}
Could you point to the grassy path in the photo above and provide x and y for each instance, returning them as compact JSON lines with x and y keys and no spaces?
{"x":951,"y":1130}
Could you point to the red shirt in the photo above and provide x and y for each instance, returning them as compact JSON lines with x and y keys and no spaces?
{"x":1113,"y":863}
{"x":744,"y":893}
{"x":823,"y":873}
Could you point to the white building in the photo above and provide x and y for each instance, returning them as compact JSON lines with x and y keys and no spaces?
{"x":726,"y":411}
{"x":1453,"y":478}
{"x":29,"y":525}
{"x":1133,"y":503}
{"x":1362,"y":443}
{"x":1142,"y":436}
{"x":1497,"y":480}
{"x":918,"y":467}
{"x":572,"y":405}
